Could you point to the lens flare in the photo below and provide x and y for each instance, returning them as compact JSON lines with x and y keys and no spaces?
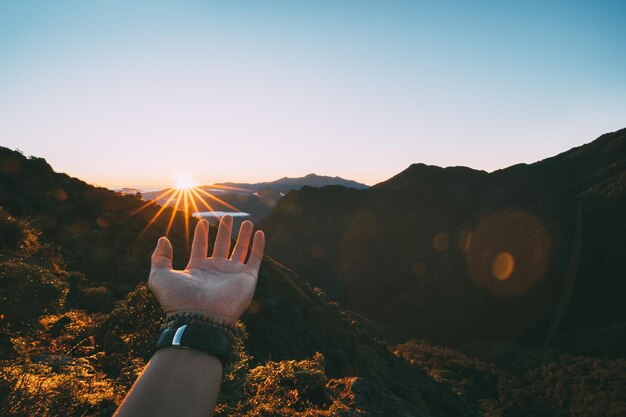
{"x":509,"y":252}
{"x":441,"y":241}
{"x":503,"y":266}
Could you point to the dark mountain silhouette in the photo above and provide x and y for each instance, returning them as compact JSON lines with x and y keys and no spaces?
{"x":530,"y":254}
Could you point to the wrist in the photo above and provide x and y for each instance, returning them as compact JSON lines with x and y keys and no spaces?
{"x":191,"y":331}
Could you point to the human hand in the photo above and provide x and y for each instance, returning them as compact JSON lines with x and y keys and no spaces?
{"x":217,"y":286}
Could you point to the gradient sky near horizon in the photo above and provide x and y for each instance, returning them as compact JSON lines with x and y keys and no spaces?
{"x":129,"y":93}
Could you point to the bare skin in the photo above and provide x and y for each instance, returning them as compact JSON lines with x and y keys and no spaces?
{"x":185,"y":382}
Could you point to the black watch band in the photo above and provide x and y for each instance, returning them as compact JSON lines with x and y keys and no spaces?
{"x":209,"y":339}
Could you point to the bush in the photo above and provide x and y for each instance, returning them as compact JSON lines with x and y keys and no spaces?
{"x":27,"y":292}
{"x":94,"y":299}
{"x":17,"y":236}
{"x":288,"y":388}
{"x":55,"y":386}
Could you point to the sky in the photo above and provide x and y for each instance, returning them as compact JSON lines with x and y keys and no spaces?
{"x":134,"y":93}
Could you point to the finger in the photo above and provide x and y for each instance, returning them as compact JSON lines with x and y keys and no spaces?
{"x":163,"y":255}
{"x":200,"y":244}
{"x":258,"y":246}
{"x":222,"y":240}
{"x":243,"y":241}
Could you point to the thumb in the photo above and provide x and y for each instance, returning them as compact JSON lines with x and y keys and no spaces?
{"x":163,"y":254}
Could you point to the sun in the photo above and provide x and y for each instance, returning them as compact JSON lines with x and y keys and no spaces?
{"x":184,"y":182}
{"x":185,"y":196}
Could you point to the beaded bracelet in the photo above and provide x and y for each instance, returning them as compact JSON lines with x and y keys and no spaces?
{"x":182,"y":318}
{"x":197,"y":316}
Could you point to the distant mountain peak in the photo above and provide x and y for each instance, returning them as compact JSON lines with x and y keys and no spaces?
{"x":285,"y":184}
{"x":430,"y":175}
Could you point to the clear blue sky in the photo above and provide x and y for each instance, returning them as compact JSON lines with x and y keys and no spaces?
{"x":131,"y":92}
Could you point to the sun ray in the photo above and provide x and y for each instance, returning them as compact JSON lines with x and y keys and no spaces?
{"x":186,"y":194}
{"x":205,"y":203}
{"x":186,"y":205}
{"x":158,"y":213}
{"x":219,"y":200}
{"x":151,"y":202}
{"x":192,"y":200}
{"x":174,"y":211}
{"x":228,"y":187}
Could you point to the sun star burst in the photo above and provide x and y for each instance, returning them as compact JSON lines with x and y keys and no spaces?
{"x":186,"y":197}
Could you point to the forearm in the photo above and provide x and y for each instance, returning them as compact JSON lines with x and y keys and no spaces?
{"x":208,"y":297}
{"x":175,"y":382}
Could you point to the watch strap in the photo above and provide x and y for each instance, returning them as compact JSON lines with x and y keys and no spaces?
{"x":209,"y":339}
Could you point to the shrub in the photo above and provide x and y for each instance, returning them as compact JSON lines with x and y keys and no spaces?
{"x":57,"y":385}
{"x":27,"y":292}
{"x":17,"y":236}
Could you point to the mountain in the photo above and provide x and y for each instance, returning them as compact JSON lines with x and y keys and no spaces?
{"x":532,"y":254}
{"x":77,"y":322}
{"x":286,"y":184}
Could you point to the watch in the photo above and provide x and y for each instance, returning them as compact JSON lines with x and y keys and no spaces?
{"x":209,"y":339}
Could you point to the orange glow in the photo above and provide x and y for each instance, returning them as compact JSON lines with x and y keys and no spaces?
{"x":419,"y":269}
{"x":465,"y":240}
{"x":202,"y":200}
{"x":192,"y":200}
{"x":217,"y":199}
{"x":186,"y":201}
{"x":509,"y":252}
{"x":441,"y":241}
{"x":169,"y":225}
{"x":229,"y":188}
{"x":190,"y":196}
{"x":503,"y":266}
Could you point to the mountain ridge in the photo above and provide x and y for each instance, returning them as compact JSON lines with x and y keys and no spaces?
{"x":434,"y":209}
{"x":289,"y":183}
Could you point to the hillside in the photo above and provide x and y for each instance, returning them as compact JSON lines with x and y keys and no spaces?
{"x":78,"y":323}
{"x":532,"y":254}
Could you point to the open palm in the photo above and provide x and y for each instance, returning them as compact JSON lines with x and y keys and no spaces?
{"x":218,"y":286}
